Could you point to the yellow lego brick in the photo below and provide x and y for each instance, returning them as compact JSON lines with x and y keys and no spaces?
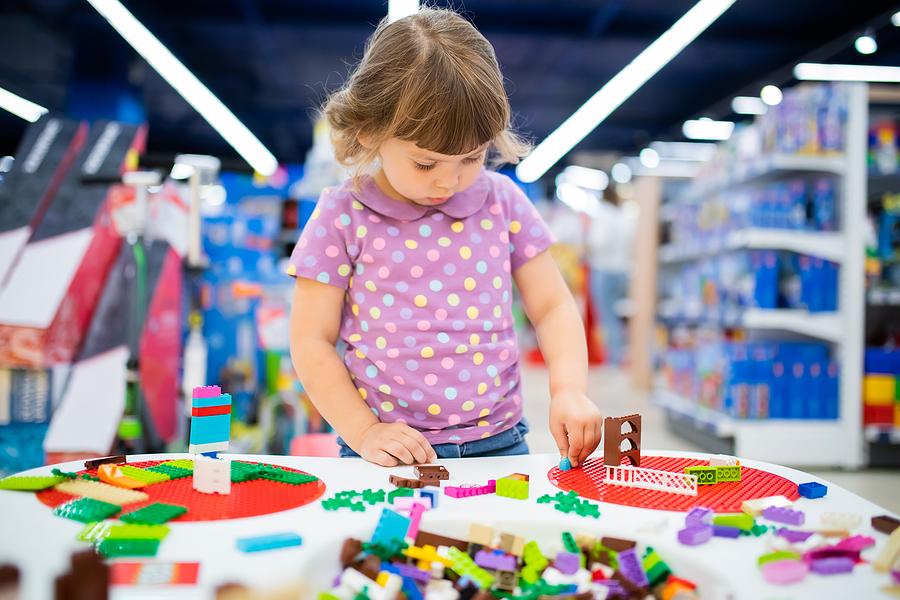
{"x":878,"y":390}
{"x":101,"y":491}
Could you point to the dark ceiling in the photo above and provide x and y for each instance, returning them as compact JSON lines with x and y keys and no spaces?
{"x":273,"y":61}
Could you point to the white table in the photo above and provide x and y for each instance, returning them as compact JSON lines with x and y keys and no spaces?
{"x":41,"y":543}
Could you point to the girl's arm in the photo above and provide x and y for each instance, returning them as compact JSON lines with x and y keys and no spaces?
{"x":575,"y":421}
{"x":315,"y":324}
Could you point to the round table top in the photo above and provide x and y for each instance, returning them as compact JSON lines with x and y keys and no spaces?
{"x":40,"y":543}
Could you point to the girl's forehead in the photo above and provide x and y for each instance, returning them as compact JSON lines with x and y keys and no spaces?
{"x":412,"y":147}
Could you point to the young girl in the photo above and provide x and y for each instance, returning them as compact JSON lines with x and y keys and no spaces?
{"x":412,"y":266}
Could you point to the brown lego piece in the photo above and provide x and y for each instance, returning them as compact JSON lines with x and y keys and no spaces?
{"x":86,"y":579}
{"x":89,"y":465}
{"x":9,"y":582}
{"x":424,"y":538}
{"x":405,"y":482}
{"x":349,"y":551}
{"x":885,"y":524}
{"x":617,"y":544}
{"x":613,"y":436}
{"x":432,"y":472}
{"x":370,"y":567}
{"x":512,"y":544}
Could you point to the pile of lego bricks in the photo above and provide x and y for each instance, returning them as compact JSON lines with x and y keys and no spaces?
{"x":401,"y":559}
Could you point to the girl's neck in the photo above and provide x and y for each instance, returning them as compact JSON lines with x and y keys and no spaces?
{"x":385,"y":186}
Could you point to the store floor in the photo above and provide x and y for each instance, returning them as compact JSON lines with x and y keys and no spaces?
{"x":612,"y":390}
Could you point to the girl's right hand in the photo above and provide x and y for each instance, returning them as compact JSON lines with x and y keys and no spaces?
{"x":390,"y":444}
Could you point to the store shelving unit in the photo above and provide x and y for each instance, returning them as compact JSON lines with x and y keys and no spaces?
{"x":816,"y":443}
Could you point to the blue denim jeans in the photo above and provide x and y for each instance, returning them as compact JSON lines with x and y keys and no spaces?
{"x":506,"y":443}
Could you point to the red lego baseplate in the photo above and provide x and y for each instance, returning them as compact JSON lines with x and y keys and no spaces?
{"x":721,"y":497}
{"x":247,"y":498}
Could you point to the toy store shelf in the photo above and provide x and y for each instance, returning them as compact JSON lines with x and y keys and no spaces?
{"x":808,"y":443}
{"x":882,"y":434}
{"x":827,"y":245}
{"x":767,"y":167}
{"x":884,"y":297}
{"x":824,"y":325}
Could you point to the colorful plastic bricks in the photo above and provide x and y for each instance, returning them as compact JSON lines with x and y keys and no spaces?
{"x":432,"y":473}
{"x":565,"y":464}
{"x":269,"y":542}
{"x":513,"y":486}
{"x":781,"y":514}
{"x":466,"y":492}
{"x":812,"y":489}
{"x":210,"y":420}
{"x":212,"y":475}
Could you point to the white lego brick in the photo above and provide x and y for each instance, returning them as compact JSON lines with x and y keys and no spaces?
{"x":212,"y":475}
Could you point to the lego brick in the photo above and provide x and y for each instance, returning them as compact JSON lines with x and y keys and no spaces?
{"x":112,"y":548}
{"x":617,"y":544}
{"x":656,"y":568}
{"x":777,"y":555}
{"x":757,"y":505}
{"x":212,"y":475}
{"x":885,"y":524}
{"x":839,"y":520}
{"x":269,"y":542}
{"x":879,"y":389}
{"x":431,"y":472}
{"x":405,"y":482}
{"x":496,"y":560}
{"x":723,"y":460}
{"x":391,"y":526}
{"x":408,"y":502}
{"x":725,"y":474}
{"x":90,"y":465}
{"x":431,"y":496}
{"x":30,"y":483}
{"x":206,"y":391}
{"x":113,"y":475}
{"x":794,"y":536}
{"x":101,"y":491}
{"x":812,"y":489}
{"x":94,"y":532}
{"x":832,"y":566}
{"x":172,"y":471}
{"x":400,"y":493}
{"x":705,"y":475}
{"x":566,"y":563}
{"x":415,"y":517}
{"x":565,"y":464}
{"x":726,"y":532}
{"x":783,"y":572}
{"x":427,"y":556}
{"x":889,"y":553}
{"x":209,"y":430}
{"x":425,"y":538}
{"x":481,"y":534}
{"x":512,"y":544}
{"x":741,"y":521}
{"x":630,"y":567}
{"x":466,"y":492}
{"x":154,"y":573}
{"x":694,"y":536}
{"x":856,"y":543}
{"x":464,"y":566}
{"x":512,"y":488}
{"x":243,"y":471}
{"x":86,"y":510}
{"x":613,"y":436}
{"x":137,"y":532}
{"x":181,"y":463}
{"x":273,"y":473}
{"x":220,"y":400}
{"x":782,"y":514}
{"x":206,"y":448}
{"x":154,"y":514}
{"x":148,"y":477}
{"x":699,"y":515}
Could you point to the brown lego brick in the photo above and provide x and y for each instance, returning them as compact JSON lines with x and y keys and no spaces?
{"x":86,"y":579}
{"x":89,"y":465}
{"x":429,"y":472}
{"x":349,"y":551}
{"x":613,"y":438}
{"x":370,"y":566}
{"x":404,"y":482}
{"x":512,"y":544}
{"x":617,"y":544}
{"x":424,"y":538}
{"x":885,"y":524}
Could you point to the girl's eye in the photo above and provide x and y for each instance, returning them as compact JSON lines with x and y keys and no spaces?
{"x":423,"y":167}
{"x":474,"y":159}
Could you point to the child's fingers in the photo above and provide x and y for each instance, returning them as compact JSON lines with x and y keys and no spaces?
{"x":419,"y":441}
{"x":591,"y":439}
{"x":380,"y":457}
{"x":559,"y":435}
{"x":576,"y":444}
{"x":397,"y":448}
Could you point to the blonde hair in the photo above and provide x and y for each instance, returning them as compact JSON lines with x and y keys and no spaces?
{"x":430,"y":78}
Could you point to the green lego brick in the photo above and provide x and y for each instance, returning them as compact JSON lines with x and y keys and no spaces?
{"x":30,"y":484}
{"x":181,"y":463}
{"x":94,"y":532}
{"x":757,"y":530}
{"x":90,"y":477}
{"x":137,"y":532}
{"x":705,"y":475}
{"x":571,"y":545}
{"x":535,"y":562}
{"x":171,"y":470}
{"x":400,"y":492}
{"x":86,"y":510}
{"x":154,"y":514}
{"x":512,"y":488}
{"x":112,"y":548}
{"x":386,"y":552}
{"x":778,"y":555}
{"x":273,"y":473}
{"x":464,"y":566}
{"x":241,"y":471}
{"x":656,"y":568}
{"x":728,"y":473}
{"x":742,"y":521}
{"x":64,"y":474}
{"x":143,"y":475}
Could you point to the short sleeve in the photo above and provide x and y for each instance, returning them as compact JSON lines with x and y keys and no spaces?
{"x":529,"y":234}
{"x":321,"y":253}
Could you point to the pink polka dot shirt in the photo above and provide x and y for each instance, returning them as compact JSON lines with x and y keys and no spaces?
{"x":427,"y":316}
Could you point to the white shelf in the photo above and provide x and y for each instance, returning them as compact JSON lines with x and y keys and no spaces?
{"x":822,"y":244}
{"x":884,"y":297}
{"x":801,"y":442}
{"x":824,"y":326}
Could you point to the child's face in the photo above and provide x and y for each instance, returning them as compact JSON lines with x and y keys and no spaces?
{"x":425,"y":177}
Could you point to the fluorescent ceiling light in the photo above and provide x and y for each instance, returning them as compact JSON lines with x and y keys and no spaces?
{"x":895,"y":19}
{"x":618,"y":89}
{"x":185,"y":83}
{"x":621,"y":173}
{"x":397,"y":9}
{"x":707,"y":129}
{"x":649,"y":158}
{"x":696,"y":151}
{"x":577,"y":198}
{"x":748,"y":105}
{"x":823,"y":72}
{"x":591,"y":179}
{"x":866,"y":44}
{"x":771,"y":95}
{"x":19,"y":106}
{"x":665,"y":168}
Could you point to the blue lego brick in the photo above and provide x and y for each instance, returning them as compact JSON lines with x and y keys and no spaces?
{"x":564,"y":464}
{"x":223,"y":400}
{"x":431,"y":494}
{"x":391,"y":526}
{"x":812,"y":489}
{"x":207,"y":430}
{"x":269,"y":542}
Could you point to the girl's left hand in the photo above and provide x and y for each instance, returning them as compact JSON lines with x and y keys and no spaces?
{"x":576,"y":424}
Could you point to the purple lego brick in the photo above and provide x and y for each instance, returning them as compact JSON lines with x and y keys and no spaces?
{"x":783,"y":514}
{"x":698,"y":516}
{"x":495,"y":560}
{"x":782,"y":572}
{"x":616,"y":589}
{"x":567,"y":563}
{"x":466,"y":492}
{"x":856,"y":543}
{"x":410,"y":571}
{"x":207,"y":391}
{"x":630,"y":567}
{"x":726,"y":531}
{"x":895,"y":575}
{"x":794,"y":536}
{"x":694,"y":536}
{"x":832,"y":566}
{"x":830,"y":552}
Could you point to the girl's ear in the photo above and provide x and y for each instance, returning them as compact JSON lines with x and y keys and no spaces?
{"x":366,"y":140}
